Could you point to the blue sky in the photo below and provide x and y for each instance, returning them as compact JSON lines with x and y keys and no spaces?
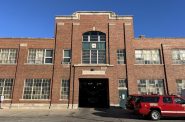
{"x":35,"y":18}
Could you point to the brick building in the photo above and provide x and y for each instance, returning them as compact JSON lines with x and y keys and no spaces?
{"x":93,"y":61}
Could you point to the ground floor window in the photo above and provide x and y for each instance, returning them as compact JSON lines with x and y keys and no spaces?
{"x":6,"y":86}
{"x":65,"y":89}
{"x":180,"y":86}
{"x":122,"y":83}
{"x":150,"y":86}
{"x":36,"y":89}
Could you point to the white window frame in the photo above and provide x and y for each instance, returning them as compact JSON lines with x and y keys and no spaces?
{"x":125,"y":84}
{"x":4,"y":80}
{"x":44,"y":56}
{"x":179,"y":91}
{"x":31,"y":95}
{"x":120,"y":61}
{"x":66,"y":57}
{"x":8,"y":56}
{"x":150,"y":87}
{"x":145,"y":54}
{"x":61,"y":90}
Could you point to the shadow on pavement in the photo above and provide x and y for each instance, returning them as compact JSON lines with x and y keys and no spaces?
{"x":117,"y":112}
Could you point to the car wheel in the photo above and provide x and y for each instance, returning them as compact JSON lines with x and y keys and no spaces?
{"x":155,"y":115}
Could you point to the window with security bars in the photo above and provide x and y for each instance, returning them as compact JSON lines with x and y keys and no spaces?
{"x":6,"y":86}
{"x":65,"y":89}
{"x":36,"y":89}
{"x":121,"y":56}
{"x":178,"y":56}
{"x":66,"y":56}
{"x":147,"y":57}
{"x":122,"y":83}
{"x":8,"y":56}
{"x":150,"y":87}
{"x":94,"y":48}
{"x":40,"y":56}
{"x":180,"y":86}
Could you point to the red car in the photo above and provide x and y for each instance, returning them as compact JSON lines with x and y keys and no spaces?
{"x":131,"y":101}
{"x":156,"y":106}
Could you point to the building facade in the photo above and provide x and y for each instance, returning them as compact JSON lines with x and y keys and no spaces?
{"x":93,"y":61}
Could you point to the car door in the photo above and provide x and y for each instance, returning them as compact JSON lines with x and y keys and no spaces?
{"x":167,"y":106}
{"x":180,"y":106}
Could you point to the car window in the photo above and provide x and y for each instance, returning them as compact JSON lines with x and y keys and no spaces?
{"x":150,"y":99}
{"x":178,"y":100}
{"x":167,"y":100}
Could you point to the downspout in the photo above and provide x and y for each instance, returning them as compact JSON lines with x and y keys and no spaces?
{"x":18,"y":51}
{"x":125,"y":57}
{"x":54,"y":50}
{"x":70,"y":70}
{"x":165,"y":74}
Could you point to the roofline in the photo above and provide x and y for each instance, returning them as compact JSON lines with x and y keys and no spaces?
{"x":144,"y":38}
{"x":112,"y":15}
{"x":23,"y":38}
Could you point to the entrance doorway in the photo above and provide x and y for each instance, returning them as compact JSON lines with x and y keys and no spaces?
{"x":93,"y":93}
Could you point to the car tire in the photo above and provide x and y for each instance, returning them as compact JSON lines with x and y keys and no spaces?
{"x":155,"y":115}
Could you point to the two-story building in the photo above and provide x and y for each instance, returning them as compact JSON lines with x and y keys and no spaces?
{"x":92,"y":61}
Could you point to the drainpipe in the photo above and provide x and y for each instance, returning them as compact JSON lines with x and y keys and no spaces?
{"x":54,"y":50}
{"x":165,"y":74}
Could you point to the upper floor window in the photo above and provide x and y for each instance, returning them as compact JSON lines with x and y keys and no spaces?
{"x":178,"y":56}
{"x":36,"y":89}
{"x":66,"y":56}
{"x":121,"y":56}
{"x":147,"y":57}
{"x":40,"y":56}
{"x":8,"y":56}
{"x":180,"y":86}
{"x":94,"y":48}
{"x":150,"y":87}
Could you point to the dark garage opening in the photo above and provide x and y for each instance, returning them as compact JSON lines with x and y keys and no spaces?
{"x":93,"y":93}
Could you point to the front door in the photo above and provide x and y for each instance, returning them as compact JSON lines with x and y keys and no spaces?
{"x":93,"y":93}
{"x":122,"y":97}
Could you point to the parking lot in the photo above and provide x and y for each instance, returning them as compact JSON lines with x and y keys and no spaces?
{"x":74,"y":115}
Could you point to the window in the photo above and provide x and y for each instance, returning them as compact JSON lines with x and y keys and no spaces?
{"x":178,"y":56}
{"x":94,"y":48}
{"x":40,"y":56}
{"x":150,"y":87}
{"x":180,"y":86}
{"x":122,"y":83}
{"x":65,"y":89}
{"x":147,"y":57}
{"x":66,"y":56}
{"x":178,"y":100}
{"x":150,"y":99}
{"x":167,"y":100}
{"x":6,"y":86}
{"x":121,"y":56}
{"x":8,"y":56}
{"x":36,"y":89}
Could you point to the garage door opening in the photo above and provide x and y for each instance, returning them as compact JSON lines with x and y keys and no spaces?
{"x":93,"y":93}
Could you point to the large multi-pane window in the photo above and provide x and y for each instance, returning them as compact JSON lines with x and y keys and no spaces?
{"x":6,"y":86}
{"x":40,"y":56}
{"x":65,"y":89}
{"x":66,"y":56}
{"x":180,"y":86}
{"x":8,"y":56}
{"x":150,"y":86}
{"x":94,"y":48}
{"x":178,"y":56}
{"x":121,"y":56}
{"x":36,"y":89}
{"x":147,"y":57}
